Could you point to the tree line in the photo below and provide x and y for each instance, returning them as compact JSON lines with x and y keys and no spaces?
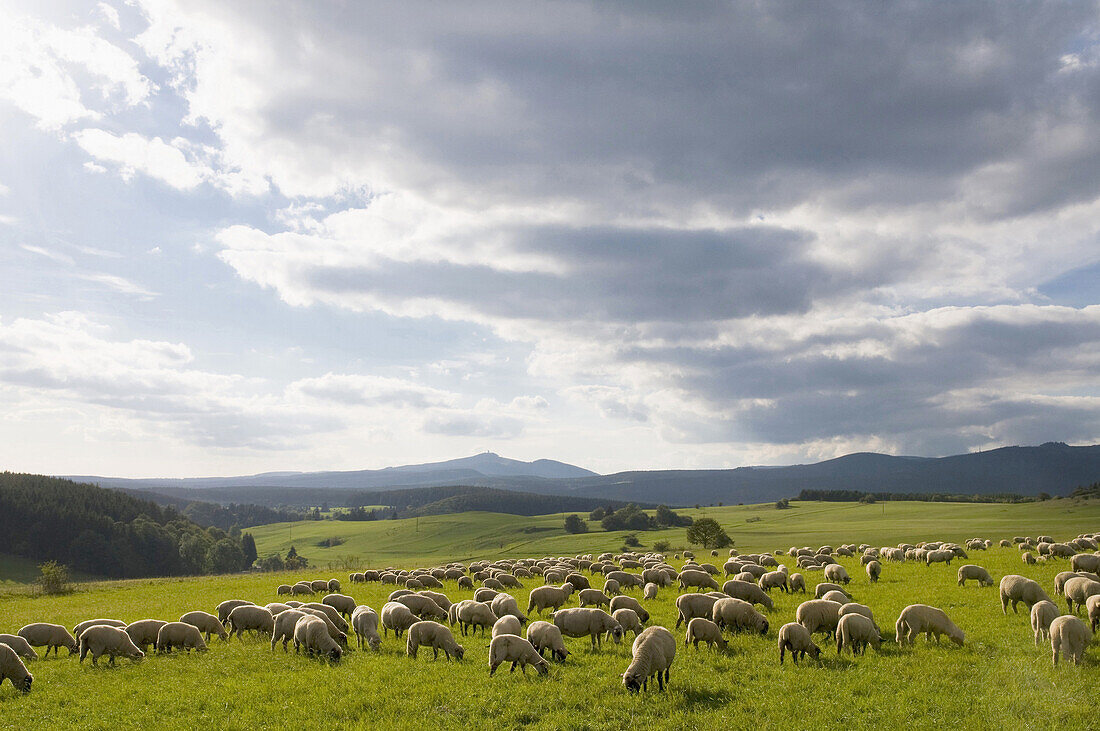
{"x":854,"y":496}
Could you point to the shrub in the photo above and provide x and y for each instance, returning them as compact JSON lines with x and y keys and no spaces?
{"x":53,"y":578}
{"x":662,"y":546}
{"x":632,"y":540}
{"x":574,"y":524}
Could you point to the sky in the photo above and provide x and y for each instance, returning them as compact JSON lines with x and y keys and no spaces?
{"x":239,"y":237}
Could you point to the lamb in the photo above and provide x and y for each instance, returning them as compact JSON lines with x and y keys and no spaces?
{"x":628,"y":619}
{"x":1015,"y":588}
{"x":507,"y":625}
{"x":179,"y":634}
{"x":818,"y":615}
{"x":79,"y":629}
{"x":475,"y":614}
{"x":342,"y":603}
{"x":21,"y":647}
{"x":365,"y":622}
{"x":505,"y":604}
{"x":773,"y":580}
{"x":13,"y":669}
{"x":917,"y":618}
{"x":518,"y":651}
{"x":626,"y":602}
{"x":837,"y":574}
{"x":546,"y":636}
{"x":798,"y":582}
{"x":312,"y":634}
{"x":465,"y":582}
{"x":249,"y":617}
{"x":436,"y":636}
{"x":206,"y":623}
{"x":1077,"y":590}
{"x":736,"y":614}
{"x":796,"y":638}
{"x":103,"y":639}
{"x":549,"y":596}
{"x":398,"y":617}
{"x":1042,"y":614}
{"x":51,"y":636}
{"x":587,"y":622}
{"x":855,"y":632}
{"x":689,"y":606}
{"x":748,"y":592}
{"x":144,"y":632}
{"x":1069,"y":636}
{"x":697,"y":579}
{"x":701,"y":629}
{"x":650,"y":591}
{"x":653,"y":652}
{"x":874,"y":570}
{"x":229,"y":605}
{"x":970,"y":571}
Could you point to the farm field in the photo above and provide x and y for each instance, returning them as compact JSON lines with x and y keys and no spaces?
{"x":998,"y":679}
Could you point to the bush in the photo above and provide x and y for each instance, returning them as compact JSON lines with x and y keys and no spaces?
{"x":632,"y":540}
{"x":331,"y":542}
{"x":574,"y":524}
{"x":662,"y":546}
{"x":782,"y":504}
{"x":53,"y":578}
{"x":274,"y":562}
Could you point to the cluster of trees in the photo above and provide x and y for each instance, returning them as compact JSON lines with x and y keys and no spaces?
{"x":360,"y":513}
{"x":852,"y":496}
{"x":237,"y":514}
{"x":631,"y":517}
{"x":108,"y":533}
{"x":275,"y":562}
{"x":708,"y":533}
{"x":1086,"y":491}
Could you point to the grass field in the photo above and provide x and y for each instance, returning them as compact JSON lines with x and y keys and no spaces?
{"x":998,"y":679}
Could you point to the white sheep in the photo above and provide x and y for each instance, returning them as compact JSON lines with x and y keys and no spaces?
{"x":689,"y":606}
{"x":505,"y":605}
{"x":51,"y":636}
{"x":1092,"y":605}
{"x":250,"y":618}
{"x":837,"y":574}
{"x":653,"y":652}
{"x":628,"y":619}
{"x":918,"y":618}
{"x":836,"y":596}
{"x":342,"y":603}
{"x":472,"y":614}
{"x":701,"y":629}
{"x":736,"y":615}
{"x":774,"y":580}
{"x":650,"y":591}
{"x":330,"y":612}
{"x":1069,"y":636}
{"x":855,"y":632}
{"x":436,"y":636}
{"x":283,"y":630}
{"x":874,"y":570}
{"x":1015,"y":588}
{"x":423,"y":607}
{"x":312,"y":634}
{"x":796,"y":638}
{"x":507,"y":625}
{"x":144,"y":632}
{"x":1085,"y":562}
{"x":1077,"y":590}
{"x":588,"y":622}
{"x":825,"y":587}
{"x":626,"y":602}
{"x":970,"y":571}
{"x":546,"y":636}
{"x":549,"y":596}
{"x":79,"y":629}
{"x":749,"y":592}
{"x":818,"y":615}
{"x":397,"y":617}
{"x":1042,"y":614}
{"x":364,"y":621}
{"x":21,"y":647}
{"x":694,"y":578}
{"x":518,"y":651}
{"x":228,"y":606}
{"x":180,"y":634}
{"x":103,"y":639}
{"x":798,"y":583}
{"x":13,"y":669}
{"x":206,"y":623}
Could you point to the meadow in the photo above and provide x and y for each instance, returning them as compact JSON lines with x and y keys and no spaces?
{"x":999,"y":678}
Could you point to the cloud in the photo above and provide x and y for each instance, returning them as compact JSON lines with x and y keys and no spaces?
{"x":133,"y":154}
{"x":56,"y":256}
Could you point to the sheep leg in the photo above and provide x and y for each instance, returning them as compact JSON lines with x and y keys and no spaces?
{"x":493,"y":668}
{"x":435,"y":654}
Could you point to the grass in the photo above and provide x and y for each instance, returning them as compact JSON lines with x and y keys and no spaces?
{"x":998,"y":679}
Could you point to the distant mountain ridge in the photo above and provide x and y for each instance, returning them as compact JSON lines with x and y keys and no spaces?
{"x":1053,"y":468}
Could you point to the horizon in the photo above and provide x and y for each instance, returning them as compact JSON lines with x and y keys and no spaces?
{"x":345,"y":237}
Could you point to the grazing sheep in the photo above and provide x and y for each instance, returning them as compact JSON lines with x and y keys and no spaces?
{"x":51,"y":636}
{"x":690,"y":606}
{"x":249,"y":617}
{"x":398,"y":593}
{"x":917,"y":618}
{"x":628,"y":619}
{"x":626,"y":602}
{"x":508,"y":625}
{"x":593,"y":597}
{"x":364,"y":621}
{"x":855,"y":632}
{"x":546,"y":636}
{"x":475,"y":614}
{"x":312,"y":634}
{"x":276,"y":607}
{"x":653,"y":652}
{"x":748,"y":592}
{"x":422,"y":607}
{"x":79,"y":629}
{"x":228,"y":606}
{"x":701,"y":629}
{"x":436,"y":636}
{"x":836,"y":596}
{"x":301,"y":589}
{"x":970,"y":571}
{"x":1042,"y":614}
{"x":736,"y":615}
{"x":179,"y":634}
{"x":13,"y":669}
{"x":587,"y":622}
{"x":1069,"y":636}
{"x":333,"y":616}
{"x":697,"y":579}
{"x":440,"y":599}
{"x":1077,"y":590}
{"x":1092,"y":605}
{"x":206,"y":623}
{"x":21,"y":647}
{"x":650,"y":591}
{"x":874,"y":570}
{"x":861,"y":609}
{"x":1085,"y":562}
{"x":796,"y":638}
{"x":549,"y":596}
{"x":774,"y":580}
{"x":611,"y":587}
{"x":818,"y":615}
{"x":798,"y":583}
{"x":485,"y":595}
{"x":465,"y":582}
{"x":1015,"y":588}
{"x":518,"y":651}
{"x":284,"y":627}
{"x":397,"y":617}
{"x":103,"y":639}
{"x":837,"y":574}
{"x":144,"y":632}
{"x":284,"y":589}
{"x":342,"y":603}
{"x":505,"y":604}
{"x":825,"y":587}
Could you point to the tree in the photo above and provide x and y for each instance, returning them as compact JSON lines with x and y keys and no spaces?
{"x":597,"y":514}
{"x":867,"y":499}
{"x":708,"y":533}
{"x":631,"y":540}
{"x":53,"y":578}
{"x":224,"y":557}
{"x":274,"y":562}
{"x":782,"y":504}
{"x":248,"y":546}
{"x":574,"y":524}
{"x":662,"y":546}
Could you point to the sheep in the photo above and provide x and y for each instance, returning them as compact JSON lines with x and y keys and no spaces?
{"x":1027,"y":558}
{"x":579,"y":581}
{"x":1015,"y":588}
{"x":1042,"y":614}
{"x":21,"y":647}
{"x":505,"y":604}
{"x":628,"y":619}
{"x":653,"y":652}
{"x":626,"y":602}
{"x":436,"y":636}
{"x":748,"y":592}
{"x":179,"y":634}
{"x":1092,"y":606}
{"x":397,"y":617}
{"x":798,"y":583}
{"x":837,"y":574}
{"x":312,"y":634}
{"x":697,"y":579}
{"x":861,"y":609}
{"x":79,"y":629}
{"x":228,"y":606}
{"x":283,"y":589}
{"x":546,"y":636}
{"x":587,"y":622}
{"x":773,"y":580}
{"x":611,"y":587}
{"x":736,"y":614}
{"x":1085,"y":562}
{"x":465,"y":582}
{"x":422,"y":607}
{"x":518,"y":651}
{"x":1069,"y":636}
{"x":333,"y":615}
{"x":51,"y":636}
{"x":796,"y":638}
{"x":475,"y":614}
{"x":874,"y":570}
{"x":818,"y":615}
{"x":836,"y":596}
{"x":825,"y":587}
{"x":206,"y":623}
{"x":13,"y":669}
{"x":144,"y":632}
{"x":284,"y":627}
{"x":593,"y":597}
{"x":342,"y":603}
{"x":701,"y":629}
{"x":103,"y":639}
{"x":507,"y":625}
{"x":549,"y":596}
{"x":301,"y":589}
{"x":1077,"y":590}
{"x":276,"y":607}
{"x":917,"y":618}
{"x":855,"y":632}
{"x":970,"y":571}
{"x":364,"y":621}
{"x":650,"y":591}
{"x":251,"y":618}
{"x":440,"y":599}
{"x":485,"y":595}
{"x":689,"y":606}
